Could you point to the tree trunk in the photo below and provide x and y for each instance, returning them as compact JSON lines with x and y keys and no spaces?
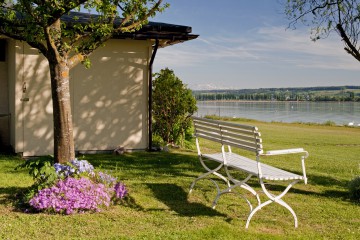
{"x":64,"y":149}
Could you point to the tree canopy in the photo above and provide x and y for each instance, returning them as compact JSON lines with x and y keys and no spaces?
{"x":65,"y":43}
{"x":326,"y":16}
{"x":41,"y":25}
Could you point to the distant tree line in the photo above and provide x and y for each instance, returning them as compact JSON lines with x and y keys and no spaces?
{"x":345,"y":93}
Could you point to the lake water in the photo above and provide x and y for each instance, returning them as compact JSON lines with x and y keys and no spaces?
{"x":342,"y":113}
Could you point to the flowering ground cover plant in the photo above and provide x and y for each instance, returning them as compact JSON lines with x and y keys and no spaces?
{"x":70,"y":188}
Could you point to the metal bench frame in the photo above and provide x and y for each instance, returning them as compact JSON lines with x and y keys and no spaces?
{"x":248,"y":138}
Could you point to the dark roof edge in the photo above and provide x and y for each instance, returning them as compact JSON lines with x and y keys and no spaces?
{"x":165,"y":39}
{"x":169,"y":33}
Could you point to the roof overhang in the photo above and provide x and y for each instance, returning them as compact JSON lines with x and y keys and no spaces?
{"x":165,"y":39}
{"x":167,"y":34}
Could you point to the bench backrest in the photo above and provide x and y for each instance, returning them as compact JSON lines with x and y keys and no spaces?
{"x":241,"y":136}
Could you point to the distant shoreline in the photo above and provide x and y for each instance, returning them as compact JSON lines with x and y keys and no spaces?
{"x":311,"y":94}
{"x":259,"y":101}
{"x":341,"y":113}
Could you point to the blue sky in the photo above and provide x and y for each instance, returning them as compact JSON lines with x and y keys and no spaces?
{"x":246,"y":44}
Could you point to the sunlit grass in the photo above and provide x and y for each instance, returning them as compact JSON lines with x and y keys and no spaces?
{"x":158,"y":206}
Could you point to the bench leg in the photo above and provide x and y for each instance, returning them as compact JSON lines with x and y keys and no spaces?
{"x":241,"y":184}
{"x":229,"y":190}
{"x":276,"y":199}
{"x":213,"y":171}
{"x":223,"y":192}
{"x":205,"y":175}
{"x":245,"y":186}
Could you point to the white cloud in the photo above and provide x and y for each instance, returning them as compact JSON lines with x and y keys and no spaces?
{"x":270,"y":44}
{"x":295,"y":46}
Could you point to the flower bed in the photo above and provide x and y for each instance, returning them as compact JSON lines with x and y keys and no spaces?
{"x":74,"y":187}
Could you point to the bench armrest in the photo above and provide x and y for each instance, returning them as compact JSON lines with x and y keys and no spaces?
{"x":291,"y":151}
{"x":285,"y":151}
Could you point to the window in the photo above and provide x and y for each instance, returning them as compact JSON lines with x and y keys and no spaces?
{"x":2,"y":50}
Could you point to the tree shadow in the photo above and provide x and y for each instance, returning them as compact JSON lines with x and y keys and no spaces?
{"x":176,"y":199}
{"x":326,"y":181}
{"x":130,"y":202}
{"x":12,"y":196}
{"x":183,"y":165}
{"x":151,"y":163}
{"x":340,"y":191}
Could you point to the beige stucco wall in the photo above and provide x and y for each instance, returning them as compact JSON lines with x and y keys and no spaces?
{"x":109,"y":100}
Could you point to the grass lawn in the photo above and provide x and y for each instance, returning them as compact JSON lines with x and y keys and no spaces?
{"x":158,"y":205}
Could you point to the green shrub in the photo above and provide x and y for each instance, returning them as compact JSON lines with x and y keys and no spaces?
{"x":173,"y":105}
{"x":354,"y":189}
{"x":43,"y":173}
{"x":157,"y":141}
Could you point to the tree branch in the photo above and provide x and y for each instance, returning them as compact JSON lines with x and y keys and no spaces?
{"x":63,"y":9}
{"x":134,"y":25}
{"x":312,"y":10}
{"x":76,"y":59}
{"x":351,"y":49}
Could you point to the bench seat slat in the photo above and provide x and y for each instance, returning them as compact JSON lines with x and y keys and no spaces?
{"x":214,"y":156}
{"x":250,"y":166}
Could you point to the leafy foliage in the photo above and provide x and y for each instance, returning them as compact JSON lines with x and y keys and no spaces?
{"x":41,"y":24}
{"x":354,"y":189}
{"x":326,"y":16}
{"x":173,"y":105}
{"x":42,"y":172}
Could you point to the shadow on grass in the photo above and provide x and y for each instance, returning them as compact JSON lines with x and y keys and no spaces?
{"x":187,"y":165}
{"x":341,"y":192}
{"x":164,"y":165}
{"x":326,"y":181}
{"x":148,"y":164}
{"x":11,"y":196}
{"x":176,"y":199}
{"x":323,"y":180}
{"x":131,"y":203}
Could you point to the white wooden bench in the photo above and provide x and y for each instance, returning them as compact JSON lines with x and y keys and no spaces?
{"x":245,"y":138}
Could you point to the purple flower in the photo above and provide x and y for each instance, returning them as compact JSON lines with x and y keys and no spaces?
{"x":72,"y":195}
{"x":63,"y":170}
{"x":106,"y":179}
{"x":120,"y":190}
{"x":75,"y":192}
{"x":75,"y":167}
{"x":82,"y":166}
